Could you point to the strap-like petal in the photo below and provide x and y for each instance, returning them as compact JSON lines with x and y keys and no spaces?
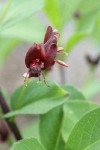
{"x":48,"y":34}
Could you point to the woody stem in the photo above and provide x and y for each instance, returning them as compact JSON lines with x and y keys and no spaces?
{"x":11,"y":124}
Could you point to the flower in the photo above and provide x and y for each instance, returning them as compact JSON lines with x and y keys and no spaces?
{"x":43,"y":56}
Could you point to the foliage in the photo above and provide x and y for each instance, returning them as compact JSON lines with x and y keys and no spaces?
{"x":30,"y":143}
{"x":17,"y":25}
{"x":66,"y":118}
{"x":59,"y":118}
{"x":90,"y":133}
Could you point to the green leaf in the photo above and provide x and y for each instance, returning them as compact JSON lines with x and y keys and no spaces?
{"x":24,"y":28}
{"x":92,"y":89}
{"x":87,"y":23}
{"x":20,"y":10}
{"x":53,"y":13}
{"x":6,"y":46}
{"x":95,"y":146}
{"x":37,"y":98}
{"x":96,"y":33}
{"x":50,"y":129}
{"x":28,"y":30}
{"x":27,"y":144}
{"x":18,"y":25}
{"x":61,"y":11}
{"x":1,"y":7}
{"x":86,"y":132}
{"x":67,"y":9}
{"x":73,"y":111}
{"x":88,"y":17}
{"x":73,"y":40}
{"x":89,"y":6}
{"x":34,"y":92}
{"x":74,"y":94}
{"x":85,"y":28}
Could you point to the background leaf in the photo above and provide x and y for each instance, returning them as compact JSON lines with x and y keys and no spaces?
{"x":86,"y":132}
{"x":29,"y":144}
{"x":17,"y":24}
{"x":89,"y":11}
{"x":6,"y":46}
{"x":51,"y":8}
{"x":73,"y":40}
{"x":92,"y":89}
{"x":89,"y":6}
{"x":17,"y":14}
{"x":86,"y":23}
{"x":50,"y":129}
{"x":67,"y":9}
{"x":61,"y":11}
{"x":96,"y":33}
{"x":28,"y":30}
{"x":85,"y":28}
{"x":1,"y":7}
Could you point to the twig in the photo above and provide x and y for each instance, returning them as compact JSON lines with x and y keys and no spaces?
{"x":12,"y":125}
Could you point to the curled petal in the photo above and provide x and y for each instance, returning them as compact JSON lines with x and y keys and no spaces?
{"x":48,"y":34}
{"x":51,"y":37}
{"x":50,"y":56}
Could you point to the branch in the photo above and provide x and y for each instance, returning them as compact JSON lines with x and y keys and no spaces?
{"x":12,"y":125}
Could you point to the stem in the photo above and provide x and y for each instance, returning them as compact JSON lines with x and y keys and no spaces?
{"x":12,"y":125}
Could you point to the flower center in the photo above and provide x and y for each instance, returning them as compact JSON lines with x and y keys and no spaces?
{"x":37,"y":62}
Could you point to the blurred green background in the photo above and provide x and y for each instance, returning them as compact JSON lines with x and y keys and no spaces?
{"x":24,"y":22}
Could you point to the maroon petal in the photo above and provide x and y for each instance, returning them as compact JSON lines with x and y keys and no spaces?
{"x":33,"y":53}
{"x":50,"y":56}
{"x":52,"y":40}
{"x":48,"y":34}
{"x":52,"y":51}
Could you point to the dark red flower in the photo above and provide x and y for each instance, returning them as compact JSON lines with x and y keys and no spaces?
{"x":42,"y":56}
